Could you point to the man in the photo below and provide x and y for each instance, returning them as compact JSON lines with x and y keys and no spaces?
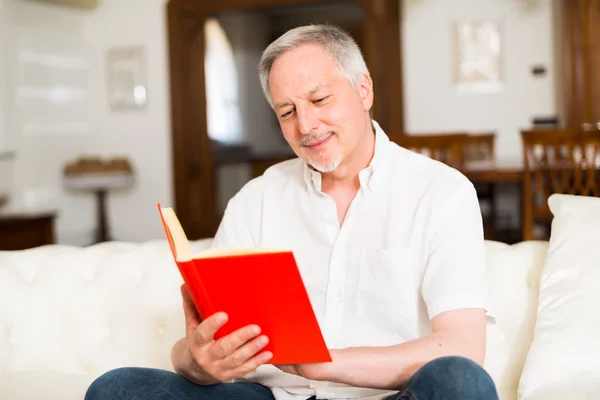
{"x":389,"y":243}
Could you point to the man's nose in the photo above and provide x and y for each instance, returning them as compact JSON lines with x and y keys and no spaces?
{"x":307,"y":120}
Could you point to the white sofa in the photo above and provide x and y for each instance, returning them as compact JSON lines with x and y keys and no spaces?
{"x":69,"y":314}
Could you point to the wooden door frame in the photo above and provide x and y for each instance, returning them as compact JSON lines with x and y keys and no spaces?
{"x":577,"y":64}
{"x":195,"y":186}
{"x":573,"y":62}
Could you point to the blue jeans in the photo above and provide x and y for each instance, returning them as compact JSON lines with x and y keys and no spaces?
{"x":447,"y":378}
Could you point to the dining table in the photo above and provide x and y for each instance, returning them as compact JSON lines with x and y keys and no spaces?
{"x":494,"y":172}
{"x":487,"y":176}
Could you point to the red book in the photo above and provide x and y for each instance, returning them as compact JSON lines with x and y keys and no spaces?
{"x":253,"y":286}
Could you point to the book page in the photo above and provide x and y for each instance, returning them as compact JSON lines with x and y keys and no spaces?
{"x":234,"y":251}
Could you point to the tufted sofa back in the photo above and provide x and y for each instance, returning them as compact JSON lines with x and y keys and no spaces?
{"x":78,"y":312}
{"x":86,"y":310}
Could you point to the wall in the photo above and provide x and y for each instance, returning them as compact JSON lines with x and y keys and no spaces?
{"x":34,"y":176}
{"x":433,"y":104}
{"x":4,"y":139}
{"x":6,"y":165}
{"x":143,"y":136}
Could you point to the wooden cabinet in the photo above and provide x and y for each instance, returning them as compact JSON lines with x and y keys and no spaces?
{"x":19,"y":231}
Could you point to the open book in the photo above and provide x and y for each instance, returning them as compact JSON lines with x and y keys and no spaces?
{"x":253,"y":286}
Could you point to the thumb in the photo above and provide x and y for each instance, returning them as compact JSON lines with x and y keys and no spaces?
{"x":192,"y":318}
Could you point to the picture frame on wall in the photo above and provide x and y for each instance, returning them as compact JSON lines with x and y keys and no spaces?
{"x":478,"y":56}
{"x":127,"y":88}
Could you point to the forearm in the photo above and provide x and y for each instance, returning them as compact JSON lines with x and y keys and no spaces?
{"x":390,"y":367}
{"x":184,"y":365}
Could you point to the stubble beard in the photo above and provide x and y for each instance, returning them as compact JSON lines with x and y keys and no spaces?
{"x":329,"y":167}
{"x":321,"y":167}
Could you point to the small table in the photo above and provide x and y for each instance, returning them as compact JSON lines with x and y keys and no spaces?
{"x":100,"y":184}
{"x":24,"y":229}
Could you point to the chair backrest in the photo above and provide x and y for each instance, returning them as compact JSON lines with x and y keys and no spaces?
{"x":479,"y":148}
{"x":557,"y":161}
{"x":446,"y":148}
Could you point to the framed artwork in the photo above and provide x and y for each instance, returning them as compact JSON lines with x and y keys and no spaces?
{"x":127,"y":78}
{"x":478,"y":51}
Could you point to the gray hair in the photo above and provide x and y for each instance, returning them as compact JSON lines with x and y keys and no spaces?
{"x":335,"y":41}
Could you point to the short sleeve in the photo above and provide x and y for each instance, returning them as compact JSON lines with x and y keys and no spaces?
{"x":240,"y":225}
{"x":455,"y":274}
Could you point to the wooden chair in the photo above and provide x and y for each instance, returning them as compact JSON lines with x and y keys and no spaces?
{"x":557,"y":161}
{"x":446,"y":148}
{"x":479,"y":149}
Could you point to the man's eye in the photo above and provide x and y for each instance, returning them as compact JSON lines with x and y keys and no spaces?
{"x":286,"y":114}
{"x":319,"y":100}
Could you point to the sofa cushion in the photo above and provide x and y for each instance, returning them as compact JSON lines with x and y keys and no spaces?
{"x":513,"y":274}
{"x":31,"y":385}
{"x":564,"y":359}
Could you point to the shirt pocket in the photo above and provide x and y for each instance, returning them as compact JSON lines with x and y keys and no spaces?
{"x":387,"y":286}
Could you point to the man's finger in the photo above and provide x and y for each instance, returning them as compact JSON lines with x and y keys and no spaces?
{"x":250,"y":365}
{"x":230,"y":343}
{"x":244,"y":353}
{"x":205,"y":332}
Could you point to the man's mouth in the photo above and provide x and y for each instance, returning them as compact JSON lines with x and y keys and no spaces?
{"x":315,"y":144}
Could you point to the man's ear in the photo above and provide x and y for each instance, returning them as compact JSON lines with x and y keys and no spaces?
{"x":365,"y":90}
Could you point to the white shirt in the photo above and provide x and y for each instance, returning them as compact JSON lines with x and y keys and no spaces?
{"x":411,"y":246}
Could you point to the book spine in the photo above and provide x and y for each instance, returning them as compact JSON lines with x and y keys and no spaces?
{"x":197,"y":290}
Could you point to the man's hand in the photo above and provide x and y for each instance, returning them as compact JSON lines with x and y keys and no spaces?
{"x":308,"y":371}
{"x":459,"y":332}
{"x":208,"y":361}
{"x":316,"y":371}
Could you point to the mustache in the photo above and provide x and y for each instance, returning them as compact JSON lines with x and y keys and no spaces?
{"x":306,"y":139}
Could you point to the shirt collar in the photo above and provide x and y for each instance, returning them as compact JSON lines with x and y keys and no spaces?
{"x":371,"y":176}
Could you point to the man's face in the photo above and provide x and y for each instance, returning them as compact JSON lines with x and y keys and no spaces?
{"x":322,"y":116}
